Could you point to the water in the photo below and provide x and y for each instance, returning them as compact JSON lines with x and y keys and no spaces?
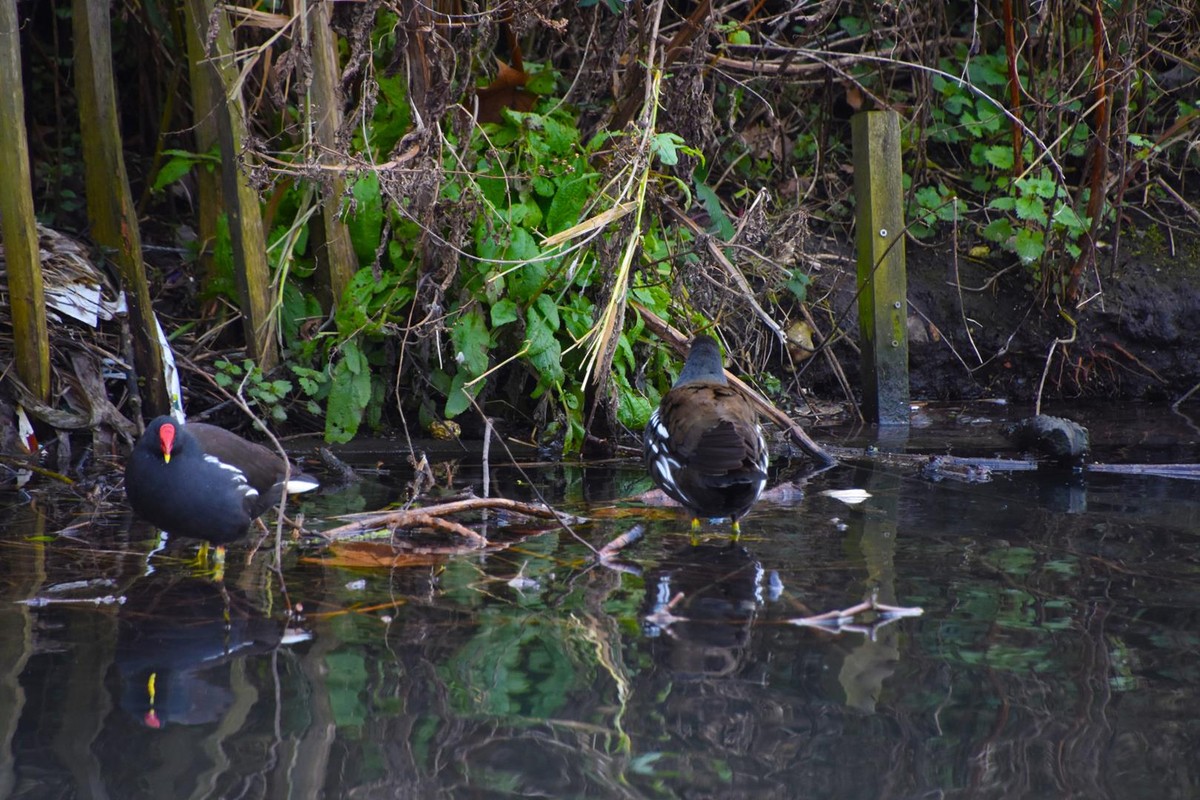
{"x":1057,"y":654}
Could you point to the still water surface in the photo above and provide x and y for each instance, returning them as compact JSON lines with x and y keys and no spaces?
{"x":1058,"y":654}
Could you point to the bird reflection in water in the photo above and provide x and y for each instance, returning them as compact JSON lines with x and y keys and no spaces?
{"x":172,"y":638}
{"x":701,"y":603}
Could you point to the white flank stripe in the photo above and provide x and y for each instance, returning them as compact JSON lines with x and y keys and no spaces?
{"x":301,"y":485}
{"x":238,"y":475}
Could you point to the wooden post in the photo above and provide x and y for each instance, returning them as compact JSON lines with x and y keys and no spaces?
{"x":325,"y":106}
{"x":204,"y":100}
{"x":241,"y":201}
{"x":111,"y":209}
{"x":19,"y":229}
{"x":882,"y":302}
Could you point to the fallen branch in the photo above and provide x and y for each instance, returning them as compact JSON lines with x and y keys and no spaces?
{"x":428,"y":516}
{"x":844,"y":619}
{"x":621,"y":542}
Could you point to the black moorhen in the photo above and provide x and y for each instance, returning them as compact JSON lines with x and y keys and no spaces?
{"x":703,"y":445}
{"x":203,"y":482}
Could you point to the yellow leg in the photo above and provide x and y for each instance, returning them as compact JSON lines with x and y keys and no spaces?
{"x":219,"y":564}
{"x":737,"y":531}
{"x":695,"y":537}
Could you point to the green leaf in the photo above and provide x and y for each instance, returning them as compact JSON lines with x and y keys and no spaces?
{"x":1066,"y":216}
{"x":471,"y":342}
{"x":999,"y":230}
{"x":528,"y":278}
{"x":1029,"y":245}
{"x":798,"y":285}
{"x":568,"y":201}
{"x":1003,"y":203}
{"x":999,"y":156}
{"x":542,"y":82}
{"x":350,"y":391}
{"x":504,"y":311}
{"x":549,"y":311}
{"x":458,"y":402}
{"x":561,"y":139}
{"x":545,"y":353}
{"x":1031,"y":207}
{"x":982,"y":73}
{"x":666,"y":146}
{"x":712,"y":204}
{"x":740,"y":36}
{"x":172,"y":171}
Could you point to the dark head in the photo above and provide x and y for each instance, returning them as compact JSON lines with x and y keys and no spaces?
{"x":703,"y":363}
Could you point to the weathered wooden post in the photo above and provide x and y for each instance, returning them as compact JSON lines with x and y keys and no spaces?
{"x":204,"y":100}
{"x":241,"y":201}
{"x":19,"y":232}
{"x":882,"y":303}
{"x":110,"y":204}
{"x":337,"y":255}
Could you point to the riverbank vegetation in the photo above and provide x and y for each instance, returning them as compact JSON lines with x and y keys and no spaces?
{"x":463,"y":207}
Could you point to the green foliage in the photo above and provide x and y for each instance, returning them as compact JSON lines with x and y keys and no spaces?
{"x":247,"y":378}
{"x":1032,"y":215}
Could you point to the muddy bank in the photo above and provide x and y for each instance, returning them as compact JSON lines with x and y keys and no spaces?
{"x":1138,"y":339}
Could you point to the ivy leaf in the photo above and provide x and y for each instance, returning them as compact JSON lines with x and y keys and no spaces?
{"x":471,"y":342}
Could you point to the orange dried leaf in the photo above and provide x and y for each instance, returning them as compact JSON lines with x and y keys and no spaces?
{"x":373,"y":555}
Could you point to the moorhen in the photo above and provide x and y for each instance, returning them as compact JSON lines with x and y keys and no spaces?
{"x":203,"y":482}
{"x":703,"y":445}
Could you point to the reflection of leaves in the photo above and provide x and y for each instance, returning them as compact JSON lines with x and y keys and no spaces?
{"x":511,"y":668}
{"x":346,"y":678}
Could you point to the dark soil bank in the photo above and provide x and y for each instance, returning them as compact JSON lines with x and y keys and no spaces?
{"x":1137,"y":339}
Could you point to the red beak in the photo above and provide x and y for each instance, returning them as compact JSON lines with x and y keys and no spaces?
{"x":166,"y":436}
